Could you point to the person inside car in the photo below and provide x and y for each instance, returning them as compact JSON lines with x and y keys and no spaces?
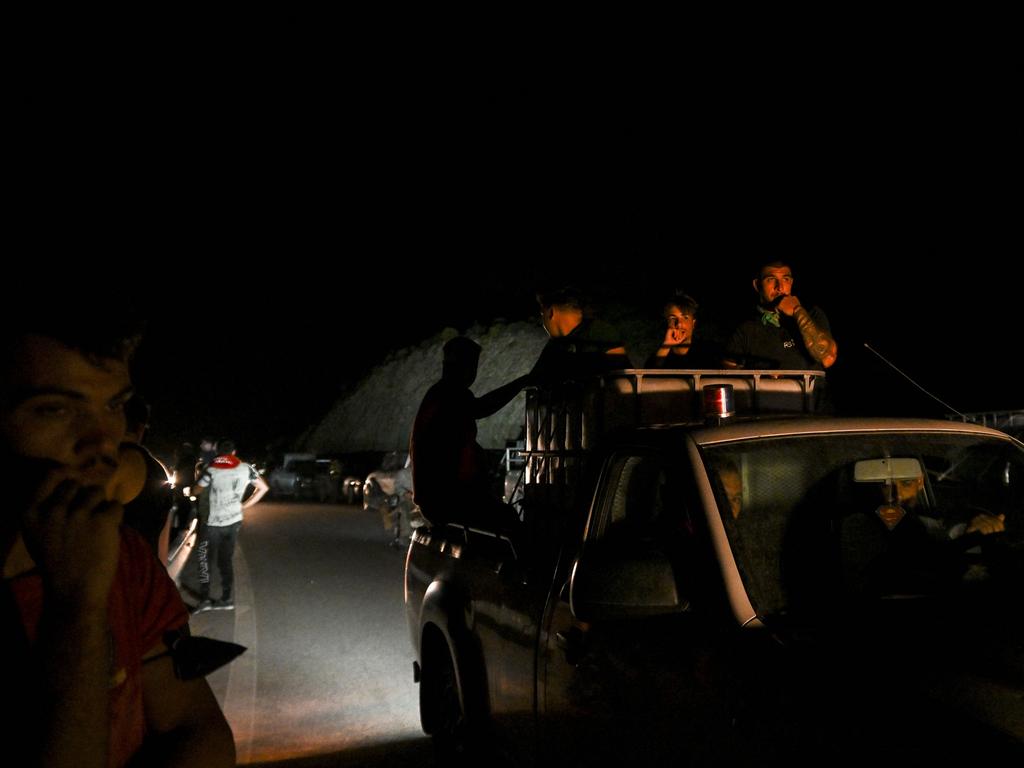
{"x":904,"y":495}
{"x":901,"y":545}
{"x":732,"y":485}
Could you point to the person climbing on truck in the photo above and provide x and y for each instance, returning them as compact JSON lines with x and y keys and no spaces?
{"x":451,"y":483}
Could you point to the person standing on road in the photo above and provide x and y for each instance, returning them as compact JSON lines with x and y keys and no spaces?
{"x":228,"y":478}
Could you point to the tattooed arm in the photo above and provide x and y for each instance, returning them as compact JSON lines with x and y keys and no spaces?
{"x":817,"y":339}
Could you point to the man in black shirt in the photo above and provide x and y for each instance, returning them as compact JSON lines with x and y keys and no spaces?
{"x":678,"y":349}
{"x":784,"y":334}
{"x":579,"y":346}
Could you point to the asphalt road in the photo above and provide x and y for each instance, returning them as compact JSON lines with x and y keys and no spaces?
{"x":327,"y":677}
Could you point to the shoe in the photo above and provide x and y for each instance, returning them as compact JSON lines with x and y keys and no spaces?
{"x":225,"y":604}
{"x":202,"y":606}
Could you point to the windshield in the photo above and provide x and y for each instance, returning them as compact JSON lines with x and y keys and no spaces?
{"x":819,"y":521}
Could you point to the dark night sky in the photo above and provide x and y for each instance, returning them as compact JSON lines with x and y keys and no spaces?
{"x":283,"y":234}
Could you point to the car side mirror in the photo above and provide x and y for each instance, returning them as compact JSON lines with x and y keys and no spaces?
{"x":612,"y":583}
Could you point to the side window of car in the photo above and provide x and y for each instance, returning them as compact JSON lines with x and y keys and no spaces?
{"x":643,"y":502}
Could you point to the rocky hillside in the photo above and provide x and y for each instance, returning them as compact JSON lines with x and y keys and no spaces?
{"x":377,"y":414}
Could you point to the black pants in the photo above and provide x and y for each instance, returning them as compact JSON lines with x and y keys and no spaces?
{"x":217,"y":545}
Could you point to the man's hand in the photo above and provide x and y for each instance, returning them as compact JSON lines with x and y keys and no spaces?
{"x":72,"y":533}
{"x":673,"y":337}
{"x":789,"y":305}
{"x":986,"y":524}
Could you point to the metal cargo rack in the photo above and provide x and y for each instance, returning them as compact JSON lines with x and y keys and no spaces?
{"x":565,"y":421}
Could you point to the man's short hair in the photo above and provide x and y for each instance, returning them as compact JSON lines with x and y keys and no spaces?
{"x":110,"y":335}
{"x":761,"y":266}
{"x":684,"y":301}
{"x":461,"y":348}
{"x":225,"y":446}
{"x":566,"y":297}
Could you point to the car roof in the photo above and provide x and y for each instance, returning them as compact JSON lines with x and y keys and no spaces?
{"x":751,"y":428}
{"x":816,"y":426}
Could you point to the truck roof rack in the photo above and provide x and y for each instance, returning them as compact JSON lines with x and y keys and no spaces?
{"x":564,"y":420}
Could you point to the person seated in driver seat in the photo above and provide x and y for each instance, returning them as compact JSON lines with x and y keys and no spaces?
{"x":906,"y":494}
{"x":902,"y":545}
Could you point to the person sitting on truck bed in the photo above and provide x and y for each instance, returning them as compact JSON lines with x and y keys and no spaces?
{"x":783,"y":334}
{"x":678,"y":349}
{"x":579,"y":346}
{"x":451,"y":483}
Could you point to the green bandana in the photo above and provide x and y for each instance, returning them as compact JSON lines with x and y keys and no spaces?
{"x":769,"y":317}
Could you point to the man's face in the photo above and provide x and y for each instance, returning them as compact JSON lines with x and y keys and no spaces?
{"x":907,"y":490}
{"x":57,"y":405}
{"x":681,"y":321}
{"x":464,"y":369}
{"x":733,"y":487}
{"x":773,"y":282}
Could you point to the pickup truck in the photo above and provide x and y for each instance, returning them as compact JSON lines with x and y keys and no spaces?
{"x":759,"y":585}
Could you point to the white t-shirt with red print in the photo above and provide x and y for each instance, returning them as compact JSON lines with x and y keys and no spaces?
{"x":227,"y":477}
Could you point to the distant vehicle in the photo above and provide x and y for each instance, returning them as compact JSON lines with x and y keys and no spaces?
{"x":304,"y":476}
{"x":283,"y":479}
{"x":352,"y":488}
{"x":320,"y":480}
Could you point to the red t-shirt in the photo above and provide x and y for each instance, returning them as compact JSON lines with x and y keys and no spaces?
{"x":144,"y":603}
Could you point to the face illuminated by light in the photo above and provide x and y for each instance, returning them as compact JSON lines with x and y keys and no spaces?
{"x":774,"y":281}
{"x":680,"y":324}
{"x":907,"y":490}
{"x":63,"y":407}
{"x":733,"y":487}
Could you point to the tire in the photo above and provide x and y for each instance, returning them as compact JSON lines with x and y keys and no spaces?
{"x":441,"y":709}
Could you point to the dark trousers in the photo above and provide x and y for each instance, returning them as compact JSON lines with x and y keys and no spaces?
{"x":217,"y":545}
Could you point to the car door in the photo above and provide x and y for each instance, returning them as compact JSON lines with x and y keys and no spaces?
{"x":644,"y":686}
{"x":506,"y":591}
